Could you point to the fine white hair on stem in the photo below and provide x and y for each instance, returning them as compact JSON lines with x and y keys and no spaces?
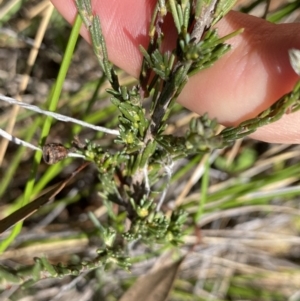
{"x":58,"y":116}
{"x":74,"y":155}
{"x":29,"y":145}
{"x":147,"y":184}
{"x":169,"y":171}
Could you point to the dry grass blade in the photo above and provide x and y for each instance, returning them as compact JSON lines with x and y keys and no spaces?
{"x":33,"y":206}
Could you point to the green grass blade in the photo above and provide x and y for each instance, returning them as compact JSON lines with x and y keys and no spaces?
{"x":54,"y":97}
{"x":204,"y":190}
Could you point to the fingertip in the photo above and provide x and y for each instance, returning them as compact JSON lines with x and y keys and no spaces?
{"x":66,"y":8}
{"x":125,"y":26}
{"x":251,"y":77}
{"x":286,"y":130}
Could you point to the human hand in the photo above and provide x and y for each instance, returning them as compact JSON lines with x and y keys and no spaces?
{"x":244,"y":82}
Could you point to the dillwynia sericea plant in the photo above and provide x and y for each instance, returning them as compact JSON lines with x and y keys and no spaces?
{"x":146,"y":154}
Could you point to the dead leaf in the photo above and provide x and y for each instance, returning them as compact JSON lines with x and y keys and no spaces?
{"x":41,"y":200}
{"x":154,"y":286}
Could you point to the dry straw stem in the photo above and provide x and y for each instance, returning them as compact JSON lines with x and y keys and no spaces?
{"x":52,"y":248}
{"x":260,"y":166}
{"x":30,"y":62}
{"x":246,"y":209}
{"x":37,"y":9}
{"x":218,"y":261}
{"x":196,"y":176}
{"x":234,"y":151}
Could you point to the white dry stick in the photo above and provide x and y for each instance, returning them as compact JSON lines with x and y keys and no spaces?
{"x":58,"y":116}
{"x":18,"y":141}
